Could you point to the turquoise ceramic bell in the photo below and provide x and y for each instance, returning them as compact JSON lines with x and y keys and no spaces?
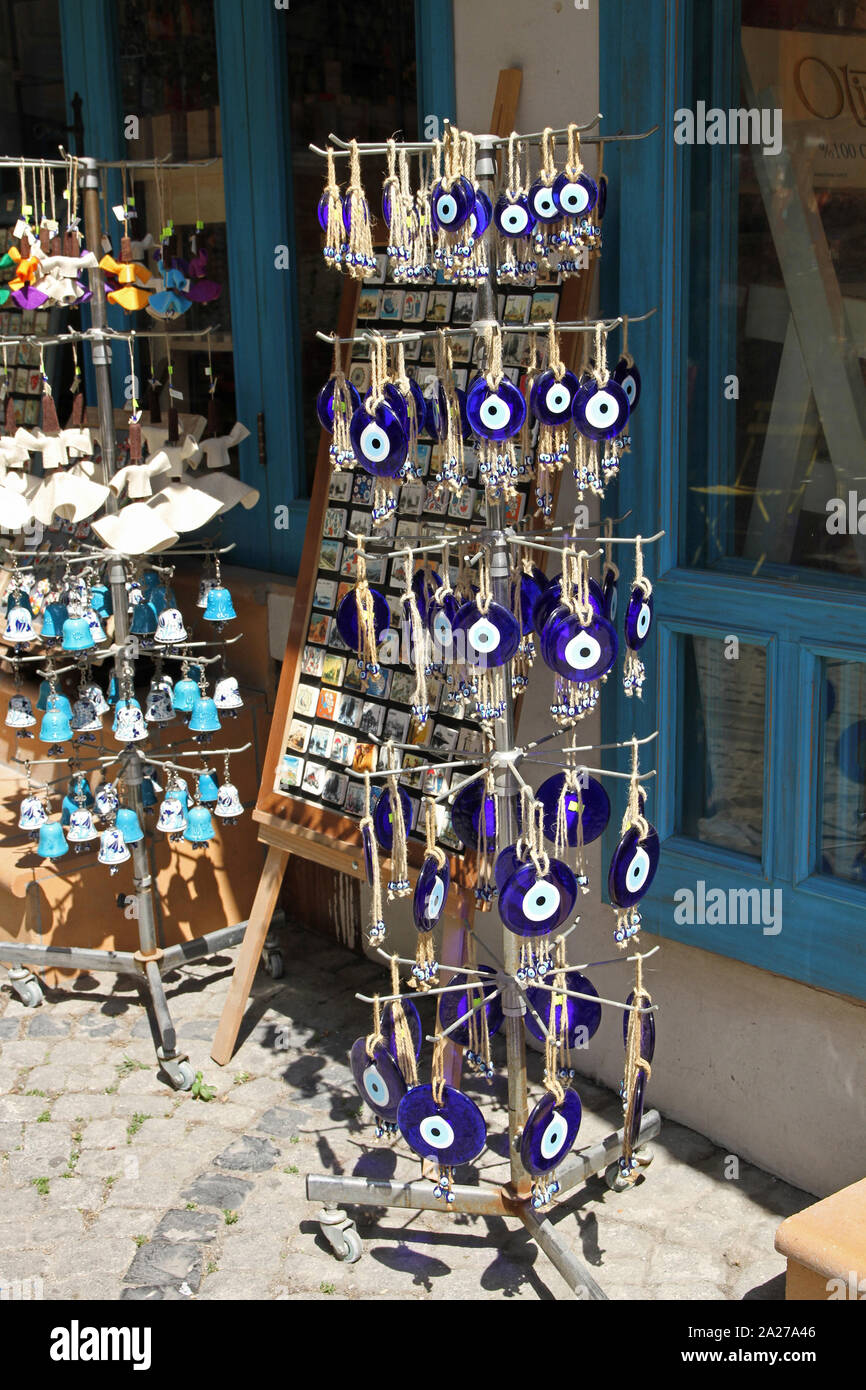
{"x":199,"y":829}
{"x":204,"y":718}
{"x":19,"y":600}
{"x":58,"y":701}
{"x":53,"y":618}
{"x":77,"y":636}
{"x":219,"y":607}
{"x":143,"y":619}
{"x":112,"y":691}
{"x":78,"y":794}
{"x":52,"y":841}
{"x":100,"y":599}
{"x":208,"y":791}
{"x":185,"y":695}
{"x":129,"y":825}
{"x":148,"y":793}
{"x":55,"y":726}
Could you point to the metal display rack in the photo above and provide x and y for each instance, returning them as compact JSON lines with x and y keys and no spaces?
{"x":151,"y":961}
{"x":513,"y":1198}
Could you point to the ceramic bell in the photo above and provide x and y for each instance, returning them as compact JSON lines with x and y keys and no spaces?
{"x":106,"y":799}
{"x":143,"y":619}
{"x":97,"y":631}
{"x":204,"y":719}
{"x":55,"y":727}
{"x":204,"y":588}
{"x":159,"y":709}
{"x":19,"y":627}
{"x":129,"y":725}
{"x":199,"y":830}
{"x":228,"y":806}
{"x":219,"y":607}
{"x":52,"y":841}
{"x":32,"y":815}
{"x":20,"y":713}
{"x":129,"y":825}
{"x":113,"y":849}
{"x":172,"y":816}
{"x":170,"y":628}
{"x":185,"y":695}
{"x":77,"y":636}
{"x":81,"y":829}
{"x":93,"y":693}
{"x":85,"y":719}
{"x":226,"y":695}
{"x":53,"y":617}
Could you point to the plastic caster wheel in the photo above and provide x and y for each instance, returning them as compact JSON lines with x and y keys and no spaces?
{"x":180,"y":1075}
{"x":350,"y":1248}
{"x":27,"y":988}
{"x":274,"y":965}
{"x":615,"y":1180}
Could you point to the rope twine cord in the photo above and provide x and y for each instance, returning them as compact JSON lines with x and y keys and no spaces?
{"x":420,"y":640}
{"x":375,"y":1039}
{"x":555,"y":1043}
{"x":547,"y":172}
{"x":573,"y":163}
{"x":575,"y":584}
{"x":554,"y":358}
{"x":360,"y":235}
{"x":610,"y":566}
{"x":431,"y":848}
{"x":625,"y":354}
{"x":378,"y":373}
{"x":493,"y":356}
{"x":477,"y":1024}
{"x":399,"y":862}
{"x":600,"y":372}
{"x":376,"y":886}
{"x":537,"y":853}
{"x":367,"y":639}
{"x":405,"y":1048}
{"x":634,"y":817}
{"x":640,"y":580}
{"x":635,"y":1062}
{"x":438,"y":1070}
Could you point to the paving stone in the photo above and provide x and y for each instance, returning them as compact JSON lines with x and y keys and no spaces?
{"x":103,"y":1134}
{"x":163,"y":1262}
{"x":250,"y":1154}
{"x":201,"y":1028}
{"x":281,"y":1121}
{"x":99,"y":1028}
{"x":190,"y":1226}
{"x":48,"y":1140}
{"x":43,"y":1025}
{"x":218,"y":1190}
{"x":11,"y":1134}
{"x":9,"y":1028}
{"x":89,"y":1254}
{"x":87,"y":1107}
{"x":29,"y":1053}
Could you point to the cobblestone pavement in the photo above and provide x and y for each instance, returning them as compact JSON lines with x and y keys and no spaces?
{"x":113,"y":1186}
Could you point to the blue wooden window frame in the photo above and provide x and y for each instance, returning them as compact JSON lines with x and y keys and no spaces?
{"x":646,"y":58}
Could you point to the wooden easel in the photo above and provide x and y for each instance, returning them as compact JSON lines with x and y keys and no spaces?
{"x":288,"y":828}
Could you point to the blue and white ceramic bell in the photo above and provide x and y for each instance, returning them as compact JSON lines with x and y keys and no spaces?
{"x":170,"y":628}
{"x":113,"y":849}
{"x":77,"y":636}
{"x":85,"y":719}
{"x":204,"y":719}
{"x":158,"y":709}
{"x":97,"y":631}
{"x":81,"y":830}
{"x":129,"y":725}
{"x":53,"y":618}
{"x":219,"y":607}
{"x":20,"y":713}
{"x":93,"y":693}
{"x":52,"y":841}
{"x":19,"y":629}
{"x":226,"y":695}
{"x":129,"y":825}
{"x":172,"y":816}
{"x":32,"y":815}
{"x":106,"y":799}
{"x":185,"y":695}
{"x":228,"y":806}
{"x":208,"y":791}
{"x":199,"y":829}
{"x":55,"y":727}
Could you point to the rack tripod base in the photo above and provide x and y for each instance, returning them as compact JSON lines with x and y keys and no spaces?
{"x":147,"y":968}
{"x":339,"y":1229}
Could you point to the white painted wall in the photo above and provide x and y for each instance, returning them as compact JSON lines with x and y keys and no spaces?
{"x":772,"y":1070}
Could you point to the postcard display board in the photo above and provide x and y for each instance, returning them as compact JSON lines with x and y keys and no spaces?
{"x":452,"y":413}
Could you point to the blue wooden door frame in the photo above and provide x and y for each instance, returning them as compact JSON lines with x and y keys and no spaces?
{"x":646,"y":53}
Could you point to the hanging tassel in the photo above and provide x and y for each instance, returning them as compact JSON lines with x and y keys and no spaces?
{"x":334,"y":249}
{"x":634,"y":671}
{"x":452,"y":474}
{"x":419,"y":639}
{"x":376,"y":934}
{"x":359,"y":258}
{"x":636,"y":1066}
{"x":485,"y":852}
{"x":628,"y":919}
{"x":398,"y":884}
{"x":403,"y":1044}
{"x":425,"y":971}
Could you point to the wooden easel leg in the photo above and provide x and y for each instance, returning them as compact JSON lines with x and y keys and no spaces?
{"x":248,"y":956}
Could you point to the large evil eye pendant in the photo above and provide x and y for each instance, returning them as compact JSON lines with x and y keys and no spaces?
{"x":596,"y":808}
{"x":576,"y":652}
{"x":532,"y":904}
{"x":532,"y":586}
{"x":628,"y":376}
{"x":441,"y":613}
{"x":491,"y":637}
{"x":601,"y":201}
{"x":457,"y":1004}
{"x":383,"y":821}
{"x":574,"y":197}
{"x":579,"y":1013}
{"x":379,"y":441}
{"x":552,"y":401}
{"x":513,"y":215}
{"x":647,"y":1031}
{"x":466,"y":814}
{"x":632,"y":867}
{"x":542,"y":202}
{"x":450,"y":1133}
{"x":450,"y":207}
{"x":479,"y":218}
{"x":425,"y":582}
{"x":347,"y":618}
{"x":325,"y":403}
{"x":431,"y":893}
{"x":550,"y":1132}
{"x":552,"y":595}
{"x":610,"y":596}
{"x":600,"y":412}
{"x":495,"y":414}
{"x":507,"y":863}
{"x":638,"y":618}
{"x":378,"y":1079}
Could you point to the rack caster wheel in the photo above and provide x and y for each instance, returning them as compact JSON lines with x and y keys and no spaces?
{"x":273,"y":964}
{"x":180,"y":1074}
{"x":615,"y":1180}
{"x":341,"y":1234}
{"x":27,"y":987}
